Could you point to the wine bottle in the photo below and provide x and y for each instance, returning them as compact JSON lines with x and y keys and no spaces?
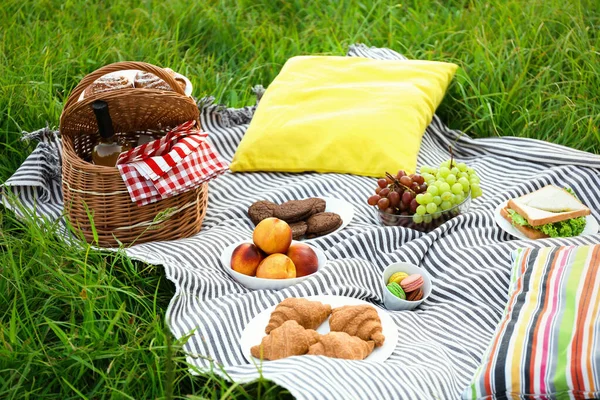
{"x":108,"y":150}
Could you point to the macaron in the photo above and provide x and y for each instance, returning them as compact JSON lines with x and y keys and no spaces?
{"x":396,"y":290}
{"x":397,"y":277}
{"x":415,"y":295}
{"x":412,"y":282}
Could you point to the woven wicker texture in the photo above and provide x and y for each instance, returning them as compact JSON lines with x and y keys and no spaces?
{"x":97,"y":193}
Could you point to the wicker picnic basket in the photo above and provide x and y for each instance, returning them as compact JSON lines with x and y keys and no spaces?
{"x":97,"y":194}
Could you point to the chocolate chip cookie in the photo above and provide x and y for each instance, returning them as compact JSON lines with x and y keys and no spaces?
{"x":322,"y":223}
{"x":261,"y":210}
{"x":294,"y":210}
{"x":319,"y":206}
{"x":298,"y":229}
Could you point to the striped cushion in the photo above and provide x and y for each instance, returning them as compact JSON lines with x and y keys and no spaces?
{"x":547,"y":345}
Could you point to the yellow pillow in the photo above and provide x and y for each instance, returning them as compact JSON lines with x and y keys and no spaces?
{"x":343,"y":114}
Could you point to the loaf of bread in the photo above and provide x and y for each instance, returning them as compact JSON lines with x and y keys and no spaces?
{"x":146,"y":80}
{"x":107,"y":83}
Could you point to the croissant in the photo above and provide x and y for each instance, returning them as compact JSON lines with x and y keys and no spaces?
{"x":309,"y":314}
{"x":362,"y":321}
{"x":342,"y":345}
{"x":290,"y":339}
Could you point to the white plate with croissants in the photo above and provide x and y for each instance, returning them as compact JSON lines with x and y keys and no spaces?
{"x":330,"y":326}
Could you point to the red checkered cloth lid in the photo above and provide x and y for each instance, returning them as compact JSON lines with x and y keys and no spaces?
{"x":180,"y":161}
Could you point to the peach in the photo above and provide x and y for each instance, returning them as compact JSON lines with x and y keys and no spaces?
{"x":276,"y":266}
{"x":304,"y":258}
{"x":246,"y":258}
{"x":272,"y":235}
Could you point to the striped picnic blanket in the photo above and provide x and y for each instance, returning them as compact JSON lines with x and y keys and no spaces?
{"x":469,"y":258}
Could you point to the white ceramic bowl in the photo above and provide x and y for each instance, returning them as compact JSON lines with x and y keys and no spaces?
{"x":255,"y":283}
{"x":392,"y":302}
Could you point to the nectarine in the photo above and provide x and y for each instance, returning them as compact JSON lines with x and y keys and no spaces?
{"x":304,"y":258}
{"x":276,"y":266}
{"x":246,"y":258}
{"x":272,"y":235}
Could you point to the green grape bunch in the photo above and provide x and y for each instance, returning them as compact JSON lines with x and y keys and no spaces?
{"x":447,"y":186}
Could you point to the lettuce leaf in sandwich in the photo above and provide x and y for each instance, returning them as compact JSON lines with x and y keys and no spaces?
{"x":568,"y":228}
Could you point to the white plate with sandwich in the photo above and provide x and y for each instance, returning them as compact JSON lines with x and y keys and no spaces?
{"x":548,"y":212}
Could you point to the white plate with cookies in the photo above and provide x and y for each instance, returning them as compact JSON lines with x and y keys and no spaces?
{"x":255,"y":330}
{"x":300,"y":218}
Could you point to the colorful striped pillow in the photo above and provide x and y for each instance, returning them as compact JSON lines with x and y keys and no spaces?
{"x":547,"y":345}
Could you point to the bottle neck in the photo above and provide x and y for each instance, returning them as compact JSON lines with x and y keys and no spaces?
{"x":105,"y":128}
{"x":108,"y":140}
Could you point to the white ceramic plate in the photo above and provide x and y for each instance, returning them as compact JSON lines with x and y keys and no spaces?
{"x":252,"y":282}
{"x":130,"y":74}
{"x":591,"y":226}
{"x":255,"y":330}
{"x":342,"y":208}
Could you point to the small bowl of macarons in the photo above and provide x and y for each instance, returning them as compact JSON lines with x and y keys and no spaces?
{"x":405,"y":286}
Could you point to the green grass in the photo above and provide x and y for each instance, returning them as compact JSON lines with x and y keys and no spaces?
{"x":80,"y":323}
{"x":77,"y":323}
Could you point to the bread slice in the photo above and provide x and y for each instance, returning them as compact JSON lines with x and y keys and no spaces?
{"x":547,"y":205}
{"x":525,"y":230}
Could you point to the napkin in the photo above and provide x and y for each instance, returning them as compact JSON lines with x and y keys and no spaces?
{"x":181,"y":160}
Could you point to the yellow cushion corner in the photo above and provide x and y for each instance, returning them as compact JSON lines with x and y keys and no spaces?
{"x":344,"y":115}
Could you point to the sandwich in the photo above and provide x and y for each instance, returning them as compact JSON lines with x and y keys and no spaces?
{"x":548,"y":212}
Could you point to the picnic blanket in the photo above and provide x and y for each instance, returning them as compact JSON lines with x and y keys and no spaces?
{"x":440,"y":344}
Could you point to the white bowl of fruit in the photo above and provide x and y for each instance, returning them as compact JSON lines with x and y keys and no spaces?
{"x":425,"y":201}
{"x":271,"y":260}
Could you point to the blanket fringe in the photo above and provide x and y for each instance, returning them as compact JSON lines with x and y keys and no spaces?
{"x":45,"y":135}
{"x":231,"y":116}
{"x":52,"y":168}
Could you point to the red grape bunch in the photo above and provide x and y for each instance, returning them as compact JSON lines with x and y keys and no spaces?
{"x":397,"y":194}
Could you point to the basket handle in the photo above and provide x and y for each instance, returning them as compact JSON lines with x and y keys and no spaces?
{"x":121,"y":66}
